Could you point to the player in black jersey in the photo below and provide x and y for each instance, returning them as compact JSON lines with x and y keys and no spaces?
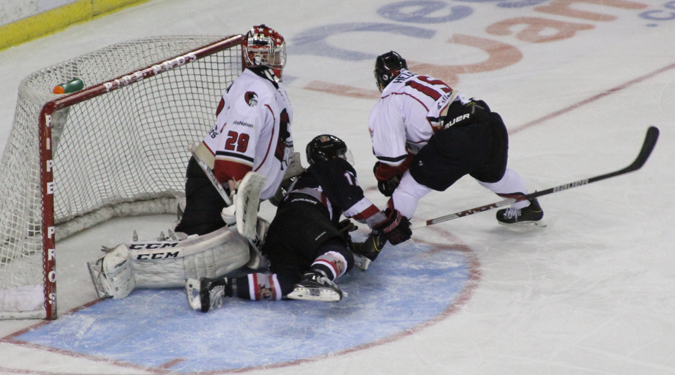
{"x":307,"y":245}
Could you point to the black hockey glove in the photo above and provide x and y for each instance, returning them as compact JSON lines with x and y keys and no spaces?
{"x":371,"y":247}
{"x":282,"y":191}
{"x":387,"y":187}
{"x":395,"y":228}
{"x":344,"y":227}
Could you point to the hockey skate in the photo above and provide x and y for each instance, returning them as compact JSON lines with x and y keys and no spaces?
{"x":526,"y":216}
{"x":205,"y":294}
{"x":315,"y":286}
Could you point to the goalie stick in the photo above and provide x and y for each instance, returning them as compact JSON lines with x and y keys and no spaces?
{"x":247,"y":199}
{"x":209,"y":173}
{"x":647,"y":147}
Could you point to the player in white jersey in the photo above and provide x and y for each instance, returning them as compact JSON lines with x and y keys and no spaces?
{"x":426,"y":136}
{"x":252,"y":133}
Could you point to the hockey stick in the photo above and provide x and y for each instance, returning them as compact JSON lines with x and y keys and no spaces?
{"x":209,"y":173}
{"x":647,"y":147}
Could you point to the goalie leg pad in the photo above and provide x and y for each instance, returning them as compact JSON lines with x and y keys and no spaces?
{"x":247,"y":203}
{"x":112,"y":274}
{"x":167,"y":264}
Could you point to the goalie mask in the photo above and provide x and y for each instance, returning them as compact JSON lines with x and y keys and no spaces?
{"x":325,"y":147}
{"x":387,"y":67}
{"x":264,"y":46}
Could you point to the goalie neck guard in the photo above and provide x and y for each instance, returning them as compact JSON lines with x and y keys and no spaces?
{"x":264,"y":47}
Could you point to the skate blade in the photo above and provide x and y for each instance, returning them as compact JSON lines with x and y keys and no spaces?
{"x":525,"y":224}
{"x":316,"y":294}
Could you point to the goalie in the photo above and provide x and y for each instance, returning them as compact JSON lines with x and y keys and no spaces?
{"x":252,"y":133}
{"x":252,"y":138}
{"x":306,"y":245}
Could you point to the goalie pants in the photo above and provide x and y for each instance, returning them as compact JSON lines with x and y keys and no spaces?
{"x":203,"y":203}
{"x":300,"y":233}
{"x":479,"y":149}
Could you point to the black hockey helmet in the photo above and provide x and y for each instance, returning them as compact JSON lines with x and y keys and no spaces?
{"x":387,"y":67}
{"x":325,"y":147}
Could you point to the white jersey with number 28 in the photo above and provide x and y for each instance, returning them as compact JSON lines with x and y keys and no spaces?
{"x":253,"y":132}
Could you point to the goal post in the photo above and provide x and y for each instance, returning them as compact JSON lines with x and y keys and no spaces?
{"x":115,"y":148}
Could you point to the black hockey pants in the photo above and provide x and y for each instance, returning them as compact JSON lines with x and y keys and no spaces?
{"x":300,"y":233}
{"x":204,"y":204}
{"x":479,"y":149}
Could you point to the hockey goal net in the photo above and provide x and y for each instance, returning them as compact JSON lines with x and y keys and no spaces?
{"x":115,"y":148}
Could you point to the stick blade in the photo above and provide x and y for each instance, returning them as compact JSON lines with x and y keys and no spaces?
{"x":648,"y":146}
{"x":646,"y":150}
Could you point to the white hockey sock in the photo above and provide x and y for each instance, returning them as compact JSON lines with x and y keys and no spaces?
{"x":511,"y":183}
{"x":407,"y":195}
{"x":263,"y":287}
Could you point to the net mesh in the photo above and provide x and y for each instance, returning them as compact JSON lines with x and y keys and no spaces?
{"x":122,"y":153}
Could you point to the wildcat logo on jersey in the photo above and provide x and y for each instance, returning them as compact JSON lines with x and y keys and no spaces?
{"x":251,"y":98}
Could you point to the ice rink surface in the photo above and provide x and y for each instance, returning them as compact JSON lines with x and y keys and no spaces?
{"x":591,"y":293}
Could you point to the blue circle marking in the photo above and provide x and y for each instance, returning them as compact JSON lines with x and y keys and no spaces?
{"x":406,"y":287}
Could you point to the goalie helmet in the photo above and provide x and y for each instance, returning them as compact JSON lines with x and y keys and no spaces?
{"x":387,"y":67}
{"x":263,"y":46}
{"x":325,"y":147}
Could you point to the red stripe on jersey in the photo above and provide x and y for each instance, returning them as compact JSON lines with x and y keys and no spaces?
{"x":221,"y":105}
{"x":226,"y":170}
{"x":269,"y":146}
{"x":435,"y":82}
{"x":367,"y":213}
{"x":426,"y":90}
